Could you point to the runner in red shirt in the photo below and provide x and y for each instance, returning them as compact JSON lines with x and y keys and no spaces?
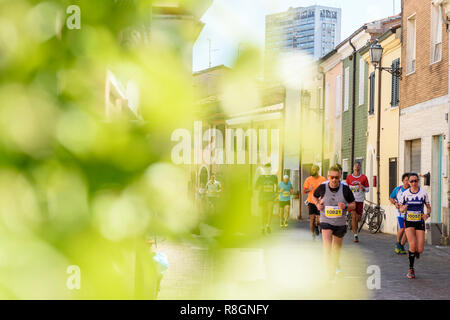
{"x":359,"y":184}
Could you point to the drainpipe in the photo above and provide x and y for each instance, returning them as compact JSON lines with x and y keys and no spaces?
{"x":354,"y":97}
{"x":379,"y":131}
{"x":353,"y":103}
{"x":300,"y":160}
{"x":323,"y":121}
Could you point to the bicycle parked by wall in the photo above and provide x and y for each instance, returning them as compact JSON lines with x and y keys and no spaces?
{"x":373,"y":216}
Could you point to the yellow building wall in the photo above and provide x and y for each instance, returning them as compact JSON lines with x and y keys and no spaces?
{"x":332,"y":118}
{"x":389,"y":136}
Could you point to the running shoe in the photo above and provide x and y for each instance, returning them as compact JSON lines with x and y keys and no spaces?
{"x":269,"y":230}
{"x":317,"y":231}
{"x":355,"y":239}
{"x":402,"y":250}
{"x":411,"y":274}
{"x":281,"y":224}
{"x":398,"y":248}
{"x":286,"y":224}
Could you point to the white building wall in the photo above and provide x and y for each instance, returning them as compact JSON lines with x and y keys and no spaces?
{"x":423,"y":121}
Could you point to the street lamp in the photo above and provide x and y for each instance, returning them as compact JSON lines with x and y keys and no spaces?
{"x":376,"y":52}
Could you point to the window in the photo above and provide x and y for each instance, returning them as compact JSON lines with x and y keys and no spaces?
{"x":344,"y":168}
{"x":392,"y":174}
{"x":395,"y":96}
{"x":338,"y":96}
{"x":361,"y":163}
{"x":436,"y":33}
{"x":362,"y":69}
{"x":346,"y":88}
{"x":325,"y":167}
{"x":372,"y":93}
{"x":411,"y":45}
{"x":305,"y":98}
{"x":320,"y":98}
{"x":412,"y":155}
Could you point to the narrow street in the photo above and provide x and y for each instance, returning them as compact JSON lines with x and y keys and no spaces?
{"x":287,"y":265}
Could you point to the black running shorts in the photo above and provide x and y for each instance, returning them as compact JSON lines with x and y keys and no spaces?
{"x":419,"y":225}
{"x":284,"y":204}
{"x":313,"y":209}
{"x":338,"y":231}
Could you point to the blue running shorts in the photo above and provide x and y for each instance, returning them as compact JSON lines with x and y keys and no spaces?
{"x":401,"y":222}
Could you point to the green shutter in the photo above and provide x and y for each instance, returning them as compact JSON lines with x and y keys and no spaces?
{"x":397,"y":84}
{"x":395,"y":88}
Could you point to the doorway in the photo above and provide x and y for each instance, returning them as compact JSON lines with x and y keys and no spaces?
{"x":436,"y":179}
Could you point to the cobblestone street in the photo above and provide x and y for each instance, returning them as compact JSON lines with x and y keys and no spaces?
{"x":286,"y":265}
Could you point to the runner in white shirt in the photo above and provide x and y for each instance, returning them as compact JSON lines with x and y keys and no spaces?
{"x":412,"y":205}
{"x":395,"y":199}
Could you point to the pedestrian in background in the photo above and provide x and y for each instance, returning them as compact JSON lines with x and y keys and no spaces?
{"x":266,"y":184}
{"x":359,"y":184}
{"x":309,"y":186}
{"x":285,"y":189}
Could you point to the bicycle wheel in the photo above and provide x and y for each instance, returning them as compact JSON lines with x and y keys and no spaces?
{"x":349,"y":221}
{"x":375,"y":221}
{"x":364,"y":218}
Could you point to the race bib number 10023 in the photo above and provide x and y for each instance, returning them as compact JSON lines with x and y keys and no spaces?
{"x":333,"y":212}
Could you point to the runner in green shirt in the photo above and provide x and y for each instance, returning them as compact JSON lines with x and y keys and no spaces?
{"x":267,"y":187}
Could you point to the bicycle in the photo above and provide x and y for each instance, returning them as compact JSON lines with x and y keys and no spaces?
{"x":373,"y":216}
{"x":349,"y":220}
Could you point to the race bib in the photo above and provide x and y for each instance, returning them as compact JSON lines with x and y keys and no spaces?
{"x":268,"y":188}
{"x":355,"y":189}
{"x":333,"y":212}
{"x":286,"y":194}
{"x":413,"y":216}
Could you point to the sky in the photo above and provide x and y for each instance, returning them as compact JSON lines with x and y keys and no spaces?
{"x":229,"y":23}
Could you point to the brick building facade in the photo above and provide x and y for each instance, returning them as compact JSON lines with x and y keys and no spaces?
{"x":423,"y":102}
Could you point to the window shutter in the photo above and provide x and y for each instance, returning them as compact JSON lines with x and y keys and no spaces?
{"x":392,"y":174}
{"x":395,"y":90}
{"x":338,"y":95}
{"x":361,"y":81}
{"x":346,"y":89}
{"x":393,"y":86}
{"x":397,"y":84}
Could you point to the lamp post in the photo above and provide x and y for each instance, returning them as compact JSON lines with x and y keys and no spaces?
{"x":445,"y":10}
{"x":376,"y":54}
